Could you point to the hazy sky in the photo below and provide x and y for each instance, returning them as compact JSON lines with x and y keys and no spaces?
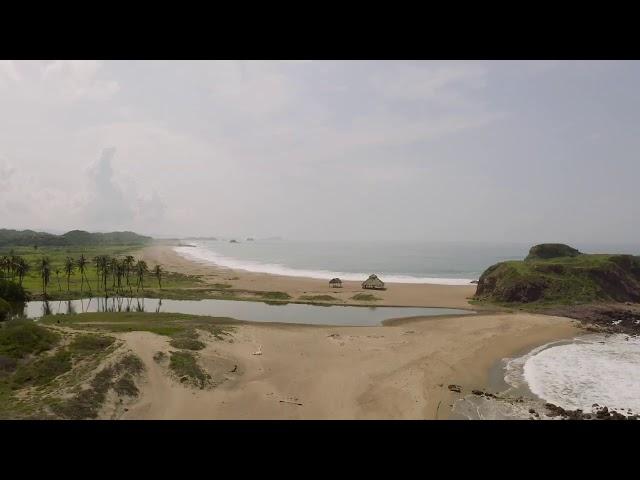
{"x":481,"y":151}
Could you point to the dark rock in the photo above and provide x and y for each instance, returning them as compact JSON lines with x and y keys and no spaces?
{"x":455,"y":388}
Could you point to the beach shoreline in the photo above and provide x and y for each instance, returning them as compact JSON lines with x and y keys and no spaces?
{"x":396,"y":294}
{"x":399,"y":370}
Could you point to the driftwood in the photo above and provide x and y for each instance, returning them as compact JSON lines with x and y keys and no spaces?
{"x":293,"y":403}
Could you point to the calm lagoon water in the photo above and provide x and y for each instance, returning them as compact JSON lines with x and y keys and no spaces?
{"x":240,"y":310}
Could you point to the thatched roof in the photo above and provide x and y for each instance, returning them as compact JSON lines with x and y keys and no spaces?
{"x":335,"y":280}
{"x":373,"y":282}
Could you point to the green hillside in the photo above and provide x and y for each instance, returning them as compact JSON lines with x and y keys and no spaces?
{"x":74,"y":237}
{"x":574,"y":278}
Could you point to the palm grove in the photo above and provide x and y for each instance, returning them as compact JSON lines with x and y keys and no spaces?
{"x":119,"y":275}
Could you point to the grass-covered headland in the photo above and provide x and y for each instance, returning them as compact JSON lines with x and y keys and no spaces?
{"x":556,"y":274}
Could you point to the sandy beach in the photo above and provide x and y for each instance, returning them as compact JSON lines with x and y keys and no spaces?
{"x":306,"y":372}
{"x":396,"y":294}
{"x":397,"y":371}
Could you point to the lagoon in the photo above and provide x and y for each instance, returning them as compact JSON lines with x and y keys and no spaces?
{"x":240,"y":310}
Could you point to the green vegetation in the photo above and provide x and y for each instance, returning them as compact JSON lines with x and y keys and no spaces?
{"x":5,"y":309}
{"x":81,"y":271}
{"x":173,"y":325}
{"x":19,"y":338}
{"x":187,"y":343}
{"x":365,"y":297}
{"x":87,"y":402}
{"x":569,"y":280}
{"x":185,"y":366}
{"x":319,"y":298}
{"x":551,"y":250}
{"x":74,"y":237}
{"x":274,"y":295}
{"x":39,"y":367}
{"x":159,"y":357}
{"x":12,"y":292}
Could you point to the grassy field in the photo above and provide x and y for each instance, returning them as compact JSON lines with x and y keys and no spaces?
{"x":173,"y":285}
{"x":174,"y":325}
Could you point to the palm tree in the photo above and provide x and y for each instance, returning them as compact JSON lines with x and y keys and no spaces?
{"x":13,"y":264}
{"x":128,"y":265}
{"x":58,"y":278}
{"x":69,"y":267}
{"x":157,"y":271}
{"x":96,"y":261}
{"x":45,"y":274}
{"x":141,"y":268}
{"x":22,"y":268}
{"x":113,"y":265}
{"x":82,"y":267}
{"x":4,"y":265}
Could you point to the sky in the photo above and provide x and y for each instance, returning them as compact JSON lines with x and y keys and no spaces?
{"x":515,"y":151}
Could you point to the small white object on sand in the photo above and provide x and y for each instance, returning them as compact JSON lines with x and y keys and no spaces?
{"x":259,"y":352}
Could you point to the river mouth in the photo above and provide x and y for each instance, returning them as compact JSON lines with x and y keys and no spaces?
{"x":338,"y":315}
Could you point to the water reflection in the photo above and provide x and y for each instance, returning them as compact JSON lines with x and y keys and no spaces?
{"x":240,"y":310}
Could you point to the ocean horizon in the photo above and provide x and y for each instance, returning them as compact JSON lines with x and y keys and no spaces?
{"x":444,"y":263}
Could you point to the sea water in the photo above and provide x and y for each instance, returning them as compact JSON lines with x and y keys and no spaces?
{"x":450,"y":263}
{"x":393,"y":262}
{"x":601,"y":369}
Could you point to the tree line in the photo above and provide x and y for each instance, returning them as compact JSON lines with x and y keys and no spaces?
{"x":118,"y":274}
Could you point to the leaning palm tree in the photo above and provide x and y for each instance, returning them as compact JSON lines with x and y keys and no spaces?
{"x":157,"y":271}
{"x":45,"y":274}
{"x":69,"y":267}
{"x":141,"y":269}
{"x":82,"y":267}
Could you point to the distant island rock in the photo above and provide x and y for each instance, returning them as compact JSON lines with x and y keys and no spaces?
{"x":557,"y":274}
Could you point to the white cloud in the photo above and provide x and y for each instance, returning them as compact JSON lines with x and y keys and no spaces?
{"x":55,"y":82}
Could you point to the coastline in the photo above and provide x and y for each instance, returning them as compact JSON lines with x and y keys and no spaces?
{"x":399,"y":370}
{"x":396,"y":294}
{"x":310,"y":372}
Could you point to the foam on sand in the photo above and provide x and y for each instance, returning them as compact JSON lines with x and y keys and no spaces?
{"x":592,"y":369}
{"x":200,"y":254}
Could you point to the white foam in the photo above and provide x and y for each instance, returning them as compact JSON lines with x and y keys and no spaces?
{"x":592,"y":369}
{"x":206,"y":255}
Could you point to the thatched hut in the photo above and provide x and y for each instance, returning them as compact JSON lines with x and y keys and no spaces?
{"x":335,"y":283}
{"x":373,"y":282}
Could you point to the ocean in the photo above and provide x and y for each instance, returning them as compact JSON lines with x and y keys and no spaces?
{"x":574,"y":374}
{"x":451,"y":263}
